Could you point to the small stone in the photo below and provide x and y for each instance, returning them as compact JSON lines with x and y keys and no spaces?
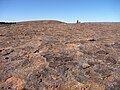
{"x":85,"y":65}
{"x":111,"y":60}
{"x":116,"y":45}
{"x":7,"y":52}
{"x":106,"y":45}
{"x":102,"y":52}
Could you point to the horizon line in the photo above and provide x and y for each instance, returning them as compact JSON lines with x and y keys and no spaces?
{"x":59,"y":21}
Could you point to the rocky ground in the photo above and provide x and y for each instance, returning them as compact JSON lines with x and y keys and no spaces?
{"x":52,"y":55}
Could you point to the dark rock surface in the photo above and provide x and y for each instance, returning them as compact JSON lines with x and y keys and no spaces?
{"x":52,"y":55}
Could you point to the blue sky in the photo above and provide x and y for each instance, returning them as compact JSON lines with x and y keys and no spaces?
{"x":63,"y":10}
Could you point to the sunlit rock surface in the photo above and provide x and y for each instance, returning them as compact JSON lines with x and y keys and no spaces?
{"x":53,"y":55}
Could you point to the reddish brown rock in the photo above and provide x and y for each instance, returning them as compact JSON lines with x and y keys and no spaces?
{"x":53,"y":55}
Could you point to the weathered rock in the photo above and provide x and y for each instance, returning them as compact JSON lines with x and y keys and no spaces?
{"x":102,"y":52}
{"x":110,"y":60}
{"x":85,"y":65}
{"x":12,"y":83}
{"x":52,"y":55}
{"x":116,"y":45}
{"x":7,"y":51}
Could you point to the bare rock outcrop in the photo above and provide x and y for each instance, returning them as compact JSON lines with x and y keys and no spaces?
{"x":52,"y":55}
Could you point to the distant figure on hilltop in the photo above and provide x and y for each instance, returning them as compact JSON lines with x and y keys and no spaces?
{"x":78,"y":21}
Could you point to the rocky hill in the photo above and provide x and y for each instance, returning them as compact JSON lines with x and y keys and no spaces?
{"x":53,"y":55}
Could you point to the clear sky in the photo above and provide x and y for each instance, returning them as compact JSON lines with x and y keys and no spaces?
{"x":63,"y":10}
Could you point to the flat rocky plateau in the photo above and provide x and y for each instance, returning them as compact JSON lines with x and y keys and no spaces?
{"x":53,"y":55}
